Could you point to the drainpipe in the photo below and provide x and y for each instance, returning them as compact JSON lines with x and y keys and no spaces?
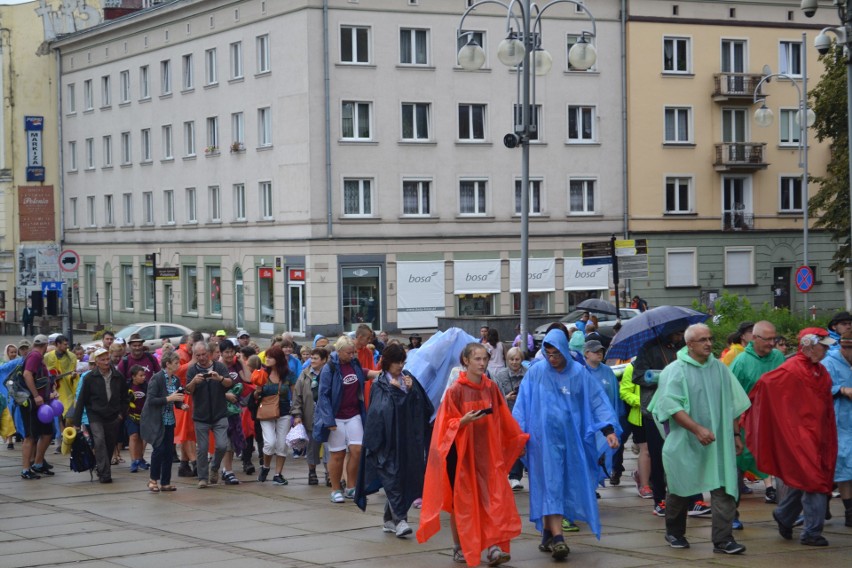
{"x":61,"y":177}
{"x":327,"y":86}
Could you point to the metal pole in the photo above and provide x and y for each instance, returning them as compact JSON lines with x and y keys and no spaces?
{"x":803,"y":140}
{"x":525,"y":172}
{"x":847,"y":281}
{"x":154,"y":281}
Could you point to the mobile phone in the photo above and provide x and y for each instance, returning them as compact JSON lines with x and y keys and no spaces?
{"x":207,"y":374}
{"x":484,"y":411}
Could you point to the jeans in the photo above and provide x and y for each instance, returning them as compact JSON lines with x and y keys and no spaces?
{"x":105,"y":436}
{"x":202,"y":441}
{"x":724,"y":509}
{"x":517,"y":471}
{"x":162,"y":456}
{"x":793,"y":501}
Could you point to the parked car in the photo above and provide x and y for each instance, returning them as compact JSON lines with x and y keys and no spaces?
{"x":607,"y":321}
{"x":152,"y":333}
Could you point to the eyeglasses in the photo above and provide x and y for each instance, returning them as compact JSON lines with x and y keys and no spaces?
{"x":553,"y":355}
{"x":770,"y":339}
{"x":702,"y":340}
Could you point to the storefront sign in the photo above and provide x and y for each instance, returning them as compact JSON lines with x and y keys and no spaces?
{"x":476,"y":276}
{"x":420,"y":294}
{"x":167,"y":273}
{"x":541,"y":275}
{"x":36,"y":220}
{"x":580,"y":277}
{"x":264,"y":272}
{"x":297,"y":274}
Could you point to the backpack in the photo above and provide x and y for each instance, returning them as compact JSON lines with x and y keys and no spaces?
{"x":17,"y":386}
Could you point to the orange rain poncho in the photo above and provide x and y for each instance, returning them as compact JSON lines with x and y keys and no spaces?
{"x":482,"y":501}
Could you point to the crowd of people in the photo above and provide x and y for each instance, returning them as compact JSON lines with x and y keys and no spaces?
{"x":561,"y":415}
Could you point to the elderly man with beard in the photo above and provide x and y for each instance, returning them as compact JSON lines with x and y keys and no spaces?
{"x":839,"y":365}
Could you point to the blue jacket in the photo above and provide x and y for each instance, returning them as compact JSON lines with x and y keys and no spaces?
{"x":331,"y":394}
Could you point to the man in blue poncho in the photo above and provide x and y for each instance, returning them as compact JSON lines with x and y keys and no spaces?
{"x":593,"y":351}
{"x":839,"y":365}
{"x":571,"y":423}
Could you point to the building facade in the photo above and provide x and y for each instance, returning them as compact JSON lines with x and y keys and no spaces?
{"x":302,"y":170}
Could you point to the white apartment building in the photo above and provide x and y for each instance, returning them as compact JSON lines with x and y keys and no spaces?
{"x":309,"y":170}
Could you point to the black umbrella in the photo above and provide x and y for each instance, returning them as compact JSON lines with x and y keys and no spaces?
{"x":599,"y":306}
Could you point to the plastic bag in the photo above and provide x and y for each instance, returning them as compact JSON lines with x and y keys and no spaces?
{"x":297,"y":437}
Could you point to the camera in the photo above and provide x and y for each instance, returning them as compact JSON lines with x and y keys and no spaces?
{"x":809,"y":7}
{"x":822,"y":43}
{"x":207,"y":374}
{"x":511,"y":140}
{"x":180,"y":390}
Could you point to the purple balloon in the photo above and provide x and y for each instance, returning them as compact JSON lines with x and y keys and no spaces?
{"x":45,"y":414}
{"x":57,"y":406}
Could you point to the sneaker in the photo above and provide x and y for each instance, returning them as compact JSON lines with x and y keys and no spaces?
{"x":312,"y":478}
{"x":771,"y":495}
{"x":402,"y":529}
{"x":184,"y":470}
{"x":699,"y":509}
{"x":41,"y":470}
{"x":46,"y":465}
{"x":730,"y":547}
{"x":202,"y":484}
{"x":144,"y":465}
{"x":615,"y":478}
{"x":229,"y":478}
{"x":736,"y":525}
{"x":279,"y":480}
{"x":10,"y":446}
{"x":214,"y":477}
{"x":785,"y":532}
{"x":515,"y":484}
{"x":677,"y":541}
{"x":389,"y":527}
{"x":28,"y":474}
{"x":745,"y":490}
{"x":800,"y":520}
{"x":349,"y":493}
{"x":817,"y":540}
{"x":248,"y":468}
{"x":568,"y":526}
{"x":134,"y":466}
{"x":337,"y":497}
{"x":646,"y":492}
{"x":264,"y":473}
{"x":660,"y":509}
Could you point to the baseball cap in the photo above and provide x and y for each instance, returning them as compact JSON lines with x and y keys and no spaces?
{"x":23,"y":343}
{"x":53,"y":337}
{"x":243,"y":333}
{"x":814,"y":335}
{"x":593,"y":345}
{"x":40,"y":339}
{"x":98,"y":352}
{"x":221,"y":333}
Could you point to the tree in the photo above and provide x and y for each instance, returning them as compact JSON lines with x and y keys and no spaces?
{"x":828,"y":100}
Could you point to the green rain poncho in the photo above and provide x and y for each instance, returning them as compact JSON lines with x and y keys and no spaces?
{"x":713,"y":398}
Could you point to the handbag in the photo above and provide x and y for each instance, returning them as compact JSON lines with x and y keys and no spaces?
{"x":269,"y":409}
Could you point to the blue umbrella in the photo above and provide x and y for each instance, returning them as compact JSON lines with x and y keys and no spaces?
{"x":648,"y":325}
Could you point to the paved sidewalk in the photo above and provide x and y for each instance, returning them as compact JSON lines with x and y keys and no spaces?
{"x":66,"y":520}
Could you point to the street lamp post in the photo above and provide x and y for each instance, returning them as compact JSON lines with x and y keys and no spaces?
{"x":521,"y":50}
{"x":804,"y":118}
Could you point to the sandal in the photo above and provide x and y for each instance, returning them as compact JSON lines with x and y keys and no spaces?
{"x":458,"y":557}
{"x":114,"y":461}
{"x":153,"y":487}
{"x":560,"y":550}
{"x":312,"y":478}
{"x":545,"y":546}
{"x":230,"y":479}
{"x":496,"y":556}
{"x":168,"y":488}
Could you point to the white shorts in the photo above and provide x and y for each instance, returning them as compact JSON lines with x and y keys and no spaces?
{"x":350,"y":432}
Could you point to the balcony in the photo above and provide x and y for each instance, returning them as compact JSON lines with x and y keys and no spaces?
{"x":735,"y":86}
{"x":737,"y":221}
{"x":740,"y":156}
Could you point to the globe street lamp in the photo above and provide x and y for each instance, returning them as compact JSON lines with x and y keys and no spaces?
{"x":521,"y":49}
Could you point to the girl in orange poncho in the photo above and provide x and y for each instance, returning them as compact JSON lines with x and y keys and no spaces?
{"x":474,"y":444}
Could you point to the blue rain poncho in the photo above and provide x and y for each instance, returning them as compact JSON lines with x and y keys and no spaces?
{"x":713,"y":398}
{"x":563,"y":412}
{"x":841,"y":376}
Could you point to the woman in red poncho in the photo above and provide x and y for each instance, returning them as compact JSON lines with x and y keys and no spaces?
{"x":474,"y":444}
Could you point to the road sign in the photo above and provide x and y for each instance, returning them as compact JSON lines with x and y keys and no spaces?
{"x":634,"y":267}
{"x":599,"y":252}
{"x":804,"y":279}
{"x":631,"y":247}
{"x":69,"y":261}
{"x":49,"y":286}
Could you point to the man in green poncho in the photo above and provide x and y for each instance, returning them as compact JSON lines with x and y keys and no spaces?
{"x":698,"y":402}
{"x":759,"y":357}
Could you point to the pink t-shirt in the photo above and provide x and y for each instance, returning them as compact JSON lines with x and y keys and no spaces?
{"x":349,"y":406}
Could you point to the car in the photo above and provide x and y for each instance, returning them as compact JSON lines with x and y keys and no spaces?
{"x":152,"y":333}
{"x":606,"y":321}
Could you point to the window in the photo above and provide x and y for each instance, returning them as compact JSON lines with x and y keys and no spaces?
{"x":676,"y":55}
{"x":72,"y":156}
{"x":148,"y":205}
{"x":127,"y":286}
{"x":238,"y":130}
{"x":677,"y":125}
{"x":190,"y":289}
{"x":90,"y":153}
{"x":144,"y":83}
{"x":472,"y":196}
{"x":166,"y":77}
{"x":791,"y":194}
{"x":72,"y":212}
{"x":239,"y":202}
{"x":415,"y":197}
{"x":570,"y":40}
{"x":109,"y":211}
{"x":90,"y":211}
{"x":88,"y":96}
{"x":107,"y":144}
{"x":71,"y":99}
{"x":106,"y":91}
{"x":263,"y":54}
{"x":127,"y":203}
{"x":210,"y":74}
{"x":214,"y":289}
{"x":681,"y":267}
{"x":415,"y":121}
{"x":264,"y":127}
{"x":167,"y":142}
{"x":535,"y":196}
{"x":266,"y":200}
{"x":191,"y":206}
{"x":581,"y":196}
{"x":581,"y":124}
{"x":147,"y":284}
{"x":535,"y":120}
{"x":678,"y":195}
{"x":215,"y":204}
{"x":146,"y":144}
{"x":188,"y":73}
{"x":355,"y":120}
{"x":790,"y":58}
{"x":472,"y":122}
{"x":212,"y":134}
{"x":124,"y":86}
{"x":357,"y":197}
{"x":414,"y":47}
{"x":354,"y":44}
{"x":236,"y":50}
{"x":789,"y":127}
{"x":169,"y":204}
{"x":189,"y":138}
{"x":739,"y":266}
{"x":91,"y":285}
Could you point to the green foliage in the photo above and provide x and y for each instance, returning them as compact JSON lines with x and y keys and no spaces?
{"x":830,"y":205}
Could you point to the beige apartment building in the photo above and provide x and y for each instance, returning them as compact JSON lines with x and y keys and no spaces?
{"x":718,"y":197}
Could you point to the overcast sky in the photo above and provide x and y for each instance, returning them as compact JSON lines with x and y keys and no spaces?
{"x":2,"y":2}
